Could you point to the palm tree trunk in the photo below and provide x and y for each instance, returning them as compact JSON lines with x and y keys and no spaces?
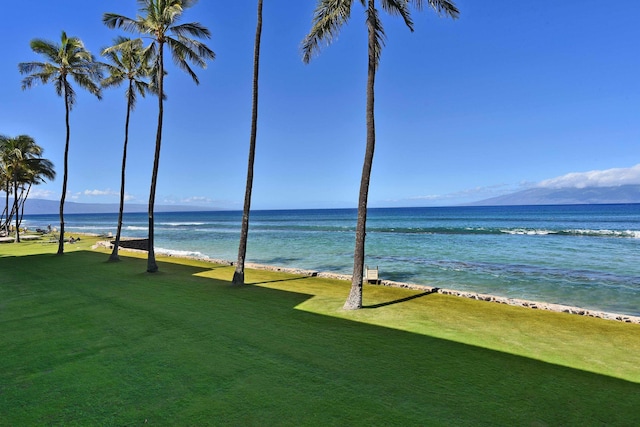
{"x":6,"y":208}
{"x":114,"y":254}
{"x":13,"y":210}
{"x":65,"y":173}
{"x":152,"y":266}
{"x":15,"y":204}
{"x":238,"y":275}
{"x":24,"y":201}
{"x":354,"y":300}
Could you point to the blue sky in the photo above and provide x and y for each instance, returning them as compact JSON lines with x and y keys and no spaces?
{"x":509,"y":96}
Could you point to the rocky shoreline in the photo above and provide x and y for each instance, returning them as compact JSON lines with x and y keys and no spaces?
{"x":534,"y":305}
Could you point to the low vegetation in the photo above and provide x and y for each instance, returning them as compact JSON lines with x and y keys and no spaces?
{"x":88,"y":342}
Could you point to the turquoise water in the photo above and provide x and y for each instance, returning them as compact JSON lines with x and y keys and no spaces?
{"x":585,"y":256}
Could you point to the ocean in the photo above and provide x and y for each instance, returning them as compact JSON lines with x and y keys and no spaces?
{"x":579,"y":255}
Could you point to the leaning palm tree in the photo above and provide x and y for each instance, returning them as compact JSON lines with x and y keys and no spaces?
{"x":159,"y":21}
{"x":238,"y":275}
{"x":5,"y":181}
{"x":68,"y":59}
{"x":37,"y":171}
{"x":5,"y":175}
{"x":328,"y":19}
{"x":23,"y":161}
{"x":129,"y":61}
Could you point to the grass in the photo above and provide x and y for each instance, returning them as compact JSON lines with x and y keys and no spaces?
{"x":88,"y":342}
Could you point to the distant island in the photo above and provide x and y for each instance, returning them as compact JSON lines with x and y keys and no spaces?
{"x":621,"y":194}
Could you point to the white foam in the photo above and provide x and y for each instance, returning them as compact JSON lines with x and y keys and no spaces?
{"x":522,"y":231}
{"x":178,"y":253}
{"x":634,"y":234}
{"x":180,"y":224}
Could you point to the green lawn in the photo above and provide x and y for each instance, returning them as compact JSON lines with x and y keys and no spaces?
{"x":87,"y":342}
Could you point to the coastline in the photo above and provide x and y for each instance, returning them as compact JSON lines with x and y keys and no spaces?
{"x":534,"y":305}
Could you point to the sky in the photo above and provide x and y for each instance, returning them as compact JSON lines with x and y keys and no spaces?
{"x":511,"y":95}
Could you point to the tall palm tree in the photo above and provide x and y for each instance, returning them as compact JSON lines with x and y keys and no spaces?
{"x":23,"y":162}
{"x":159,"y":21}
{"x":328,"y":19}
{"x":238,"y":275}
{"x":68,"y":59}
{"x":130,"y":62}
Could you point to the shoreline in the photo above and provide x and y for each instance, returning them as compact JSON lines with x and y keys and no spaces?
{"x":516,"y":302}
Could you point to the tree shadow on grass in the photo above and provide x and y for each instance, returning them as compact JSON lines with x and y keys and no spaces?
{"x":398,"y":301}
{"x":264,"y":282}
{"x":252,"y":353}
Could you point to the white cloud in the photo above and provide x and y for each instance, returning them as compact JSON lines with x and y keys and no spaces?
{"x":603,"y":178}
{"x":191,"y":200}
{"x":197,"y":199}
{"x":106,"y":192}
{"x":37,"y":193}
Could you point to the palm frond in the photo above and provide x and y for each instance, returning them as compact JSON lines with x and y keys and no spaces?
{"x":170,"y":12}
{"x":442,"y":7}
{"x":37,"y":169}
{"x":195,"y":51}
{"x":35,"y":78}
{"x":193,"y":29}
{"x":129,"y":61}
{"x":186,"y":4}
{"x":328,"y":18}
{"x":115,"y":78}
{"x":87,"y":82}
{"x":154,"y":84}
{"x":30,"y":67}
{"x":113,"y":20}
{"x":139,"y":88}
{"x":180,"y":53}
{"x":399,"y":7}
{"x":121,"y":44}
{"x":64,"y":87}
{"x":46,"y":48}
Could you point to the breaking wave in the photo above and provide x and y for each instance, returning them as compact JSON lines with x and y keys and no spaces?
{"x":177,"y":253}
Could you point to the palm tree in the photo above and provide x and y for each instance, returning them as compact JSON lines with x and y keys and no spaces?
{"x":5,"y":175}
{"x":36,"y":172}
{"x":5,"y":183}
{"x":129,"y":61}
{"x":159,"y":21}
{"x":329,"y":16}
{"x":238,"y":275}
{"x":23,"y":162}
{"x":67,"y":59}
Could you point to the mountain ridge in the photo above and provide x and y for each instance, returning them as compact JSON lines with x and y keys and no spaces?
{"x":50,"y":207}
{"x":621,"y":194}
